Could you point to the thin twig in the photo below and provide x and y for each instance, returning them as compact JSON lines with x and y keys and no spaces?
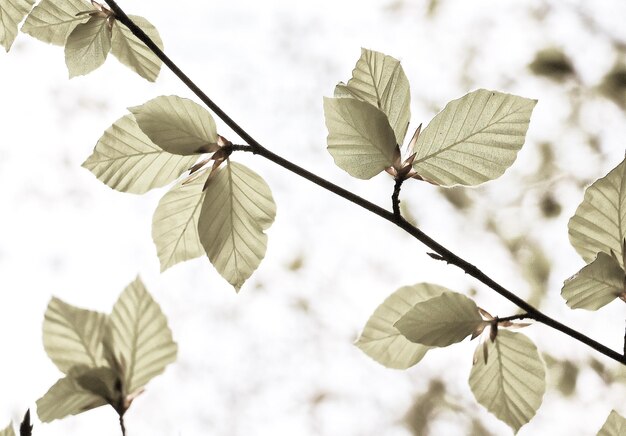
{"x":445,"y":254}
{"x":122,"y":426}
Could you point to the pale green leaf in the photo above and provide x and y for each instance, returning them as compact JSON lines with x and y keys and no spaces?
{"x":52,"y":21}
{"x":8,"y":431}
{"x":175,"y":222}
{"x":73,"y":336}
{"x":126,"y":160}
{"x":381,"y":341}
{"x":380,"y":81}
{"x":473,"y":139}
{"x":12,"y":12}
{"x":360,"y":138}
{"x":140,"y":336}
{"x":596,"y":285}
{"x":132,"y":52}
{"x":511,"y":383}
{"x":440,"y":321}
{"x":87,"y":46}
{"x":615,"y":425}
{"x":237,"y":209}
{"x":177,"y":125}
{"x":599,"y":224}
{"x":67,"y":397}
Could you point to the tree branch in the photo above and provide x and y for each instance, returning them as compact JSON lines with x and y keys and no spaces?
{"x":442,"y":252}
{"x":395,"y":198}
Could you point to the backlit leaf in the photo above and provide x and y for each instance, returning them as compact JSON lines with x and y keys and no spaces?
{"x":99,"y":381}
{"x":473,"y":139}
{"x":126,"y":160}
{"x":175,"y":223}
{"x":360,"y":138}
{"x":177,"y":125}
{"x":67,"y":397}
{"x":599,"y":224}
{"x":87,"y":46}
{"x":596,"y":285}
{"x":381,"y":341}
{"x":132,"y":52}
{"x":73,"y":336}
{"x":52,"y":21}
{"x":237,"y":209}
{"x":440,"y":321}
{"x":380,"y":81}
{"x":615,"y":425}
{"x":12,"y":12}
{"x":8,"y":431}
{"x":511,"y":383}
{"x":141,"y":338}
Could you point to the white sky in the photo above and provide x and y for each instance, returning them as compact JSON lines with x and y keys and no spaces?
{"x":252,"y":364}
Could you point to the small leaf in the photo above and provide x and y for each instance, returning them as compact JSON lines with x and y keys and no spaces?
{"x":380,"y":81}
{"x":87,"y":46}
{"x":473,"y":139}
{"x":512,"y":382}
{"x":141,"y":339}
{"x":381,"y":341}
{"x":177,"y":125}
{"x":8,"y":431}
{"x":12,"y":12}
{"x":360,"y":138}
{"x":599,"y":224}
{"x":52,"y":21}
{"x":237,"y":209}
{"x":73,"y":336}
{"x":175,"y":222}
{"x":67,"y":397}
{"x":615,"y":425}
{"x":126,"y":160}
{"x":596,"y":285}
{"x":132,"y":52}
{"x":440,"y":321}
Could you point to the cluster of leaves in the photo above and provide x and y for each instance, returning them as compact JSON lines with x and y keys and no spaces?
{"x":89,"y":31}
{"x":598,"y":233}
{"x":106,"y":359}
{"x":222,"y":208}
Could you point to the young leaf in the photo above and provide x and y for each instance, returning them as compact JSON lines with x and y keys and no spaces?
{"x":473,"y":139}
{"x":615,"y":425}
{"x":599,"y":223}
{"x":381,"y":341}
{"x":175,"y":222}
{"x":177,"y":125}
{"x":511,"y":383}
{"x":87,"y":46}
{"x":360,"y":138}
{"x":380,"y":81}
{"x":99,"y":381}
{"x":440,"y":321}
{"x":596,"y":285}
{"x":12,"y":12}
{"x":8,"y":431}
{"x":73,"y":336}
{"x":140,"y":336}
{"x":132,"y":52}
{"x":67,"y":397}
{"x":52,"y":21}
{"x":126,"y":160}
{"x":238,"y":207}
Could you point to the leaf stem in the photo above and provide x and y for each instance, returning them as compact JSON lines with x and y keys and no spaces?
{"x":513,"y":317}
{"x":395,"y":198}
{"x":442,"y":252}
{"x":122,"y":425}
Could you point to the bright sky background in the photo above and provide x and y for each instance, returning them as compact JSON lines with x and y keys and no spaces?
{"x":278,"y":359}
